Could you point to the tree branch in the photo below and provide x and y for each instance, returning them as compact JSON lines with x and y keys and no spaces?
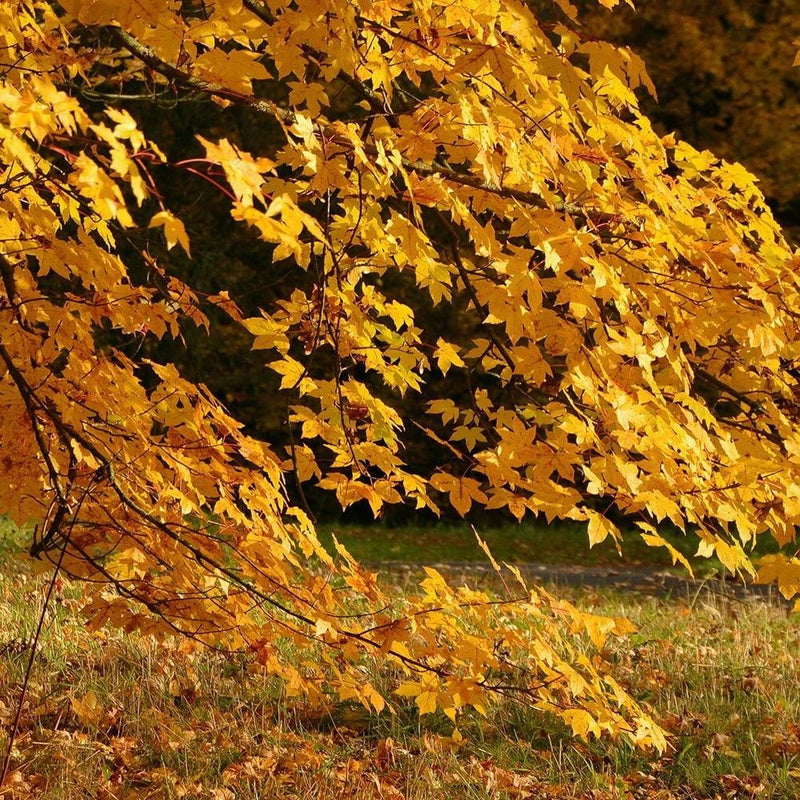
{"x":287,"y":117}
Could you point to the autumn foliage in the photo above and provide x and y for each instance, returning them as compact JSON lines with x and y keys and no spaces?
{"x":630,"y":330}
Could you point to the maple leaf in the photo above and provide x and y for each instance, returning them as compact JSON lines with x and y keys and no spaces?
{"x":582,"y":722}
{"x":174,"y":230}
{"x":462,"y":491}
{"x":235,"y":70}
{"x":87,"y":708}
{"x":782,"y":570}
{"x":446,"y":356}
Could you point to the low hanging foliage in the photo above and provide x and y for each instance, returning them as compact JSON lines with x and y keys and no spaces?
{"x":630,"y":329}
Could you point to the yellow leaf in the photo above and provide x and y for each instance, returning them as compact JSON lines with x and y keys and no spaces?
{"x":782,"y":569}
{"x":448,"y":410}
{"x":462,"y":491}
{"x":583,"y":724}
{"x":373,"y":698}
{"x":447,"y":355}
{"x":733,"y":557}
{"x":652,"y":538}
{"x":293,"y":374}
{"x":485,"y":547}
{"x":568,"y":8}
{"x":321,"y":627}
{"x":598,"y":628}
{"x":174,"y":231}
{"x":302,"y":458}
{"x":88,"y":708}
{"x":426,"y":702}
{"x":235,"y":70}
{"x":600,"y":528}
{"x":245,"y":174}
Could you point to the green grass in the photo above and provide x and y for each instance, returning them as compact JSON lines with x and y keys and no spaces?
{"x":558,"y":543}
{"x":115,"y":716}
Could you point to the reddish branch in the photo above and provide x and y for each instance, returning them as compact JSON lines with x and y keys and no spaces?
{"x":287,"y":117}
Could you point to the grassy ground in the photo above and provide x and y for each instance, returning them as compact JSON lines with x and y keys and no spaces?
{"x":110,"y":716}
{"x":559,"y":543}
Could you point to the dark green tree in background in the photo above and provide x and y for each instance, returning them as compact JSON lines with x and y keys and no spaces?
{"x":723,"y":72}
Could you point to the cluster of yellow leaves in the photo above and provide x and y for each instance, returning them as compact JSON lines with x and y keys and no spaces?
{"x":621,"y":285}
{"x":630,"y":289}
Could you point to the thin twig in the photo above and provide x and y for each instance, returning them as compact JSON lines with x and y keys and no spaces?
{"x":29,"y":668}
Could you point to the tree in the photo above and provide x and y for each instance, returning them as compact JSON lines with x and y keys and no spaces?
{"x":723,"y":82}
{"x":629,"y":331}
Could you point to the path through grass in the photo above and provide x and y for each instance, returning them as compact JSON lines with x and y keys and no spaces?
{"x":558,"y":543}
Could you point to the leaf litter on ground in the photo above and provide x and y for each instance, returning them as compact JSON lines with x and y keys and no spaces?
{"x":111,"y":716}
